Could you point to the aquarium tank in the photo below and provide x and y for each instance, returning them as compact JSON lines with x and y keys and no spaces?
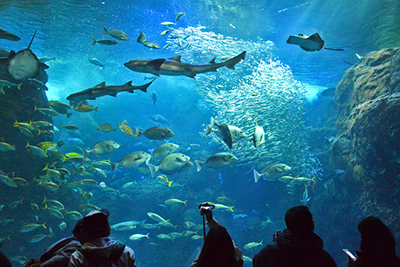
{"x":150,"y":108}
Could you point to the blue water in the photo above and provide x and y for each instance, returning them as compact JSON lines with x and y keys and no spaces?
{"x":285,"y":79}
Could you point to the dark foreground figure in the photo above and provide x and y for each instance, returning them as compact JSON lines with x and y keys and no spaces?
{"x":218,"y":249}
{"x":296,"y":246}
{"x":377,"y":245}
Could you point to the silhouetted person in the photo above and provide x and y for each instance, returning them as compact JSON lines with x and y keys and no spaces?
{"x":377,"y":245}
{"x":97,"y":248}
{"x":58,"y":254}
{"x":4,"y":261}
{"x":218,"y":249}
{"x":296,"y":246}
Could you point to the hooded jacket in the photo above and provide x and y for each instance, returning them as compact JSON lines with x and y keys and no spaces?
{"x":103,"y":248}
{"x":292,"y":250}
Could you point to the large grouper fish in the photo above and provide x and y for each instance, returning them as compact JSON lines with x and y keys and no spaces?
{"x":24,"y":64}
{"x":174,"y":67}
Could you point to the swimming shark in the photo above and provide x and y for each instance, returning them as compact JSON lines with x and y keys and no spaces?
{"x":24,"y":64}
{"x":310,"y":43}
{"x":174,"y":67}
{"x":102,"y":89}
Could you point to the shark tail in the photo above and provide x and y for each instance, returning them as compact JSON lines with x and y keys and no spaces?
{"x":230,"y":64}
{"x":144,"y":87}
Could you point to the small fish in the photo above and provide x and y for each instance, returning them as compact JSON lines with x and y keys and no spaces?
{"x":163,"y":179}
{"x":105,"y":42}
{"x":221,"y":206}
{"x":74,"y":215}
{"x":84,"y":108}
{"x":54,"y":212}
{"x":168,"y":23}
{"x":4,"y":147}
{"x":173,"y":163}
{"x":138,"y":236}
{"x":62,"y":225}
{"x":165,"y":32}
{"x":20,"y":181}
{"x":30,"y":227}
{"x":60,"y":107}
{"x":217,"y":161}
{"x":131,"y":160}
{"x":15,"y":204}
{"x":174,"y":201}
{"x":272,"y":172}
{"x":96,"y":62}
{"x":38,"y":238}
{"x":156,"y":217}
{"x":36,"y":151}
{"x":163,"y":150}
{"x":142,"y":39}
{"x":252,"y":245}
{"x":179,"y":15}
{"x":46,"y":111}
{"x":7,"y":180}
{"x":55,"y":204}
{"x":305,"y":198}
{"x":158,"y":133}
{"x":165,"y":237}
{"x":102,"y":148}
{"x":259,"y":136}
{"x":117,"y":34}
{"x":70,"y":127}
{"x":106,"y":128}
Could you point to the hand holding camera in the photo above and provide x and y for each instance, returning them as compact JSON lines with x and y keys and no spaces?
{"x":206,"y":209}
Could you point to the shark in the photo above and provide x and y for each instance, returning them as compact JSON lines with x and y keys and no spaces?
{"x":309,"y":43}
{"x":102,"y":89}
{"x":174,"y":67}
{"x":24,"y":64}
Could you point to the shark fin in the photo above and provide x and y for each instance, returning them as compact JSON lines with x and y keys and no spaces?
{"x":101,"y":84}
{"x":156,"y":63}
{"x":128,"y":83}
{"x":176,"y":58}
{"x":212,"y":61}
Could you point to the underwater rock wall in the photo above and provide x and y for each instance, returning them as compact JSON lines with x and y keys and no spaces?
{"x":367,"y":146}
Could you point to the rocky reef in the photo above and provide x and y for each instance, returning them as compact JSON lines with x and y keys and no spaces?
{"x":364,"y":155}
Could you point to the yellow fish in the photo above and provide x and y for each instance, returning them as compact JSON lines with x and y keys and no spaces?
{"x":174,"y":201}
{"x":163,"y":179}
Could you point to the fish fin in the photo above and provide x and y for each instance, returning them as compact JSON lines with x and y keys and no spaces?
{"x":256,"y":176}
{"x":128,"y":83}
{"x":43,"y":65}
{"x":94,"y":42}
{"x":141,"y":38}
{"x":230,"y":64}
{"x":105,"y":31}
{"x":212,"y":61}
{"x":156,"y":63}
{"x":176,"y":58}
{"x":153,"y":169}
{"x":144,"y":87}
{"x":69,"y":115}
{"x":101,"y":84}
{"x":334,"y":49}
{"x":192,"y":75}
{"x":114,"y":166}
{"x":316,"y":38}
{"x":199,"y":165}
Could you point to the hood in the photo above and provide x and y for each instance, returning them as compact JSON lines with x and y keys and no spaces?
{"x":295,"y":246}
{"x":102,"y":247}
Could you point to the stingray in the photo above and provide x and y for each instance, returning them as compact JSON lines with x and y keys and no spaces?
{"x":310,"y":43}
{"x":23,"y":64}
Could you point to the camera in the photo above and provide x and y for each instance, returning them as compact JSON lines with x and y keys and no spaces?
{"x":206,"y":206}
